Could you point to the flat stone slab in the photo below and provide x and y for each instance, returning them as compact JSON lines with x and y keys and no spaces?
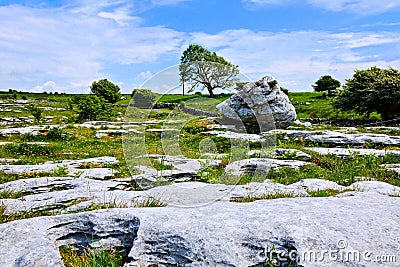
{"x":235,"y":135}
{"x":95,"y":173}
{"x":347,"y":152}
{"x":376,"y":187}
{"x":78,"y":162}
{"x":315,"y":185}
{"x":183,"y":169}
{"x":8,"y":160}
{"x":345,"y":139}
{"x":73,"y":166}
{"x":59,"y":192}
{"x":162,"y":130}
{"x":260,"y":165}
{"x":338,"y":138}
{"x":34,"y":130}
{"x":393,"y":167}
{"x":219,"y":234}
{"x":280,"y":153}
{"x":5,"y":143}
{"x":21,"y":169}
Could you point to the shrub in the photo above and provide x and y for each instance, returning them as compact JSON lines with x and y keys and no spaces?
{"x":285,"y":90}
{"x":272,"y":83}
{"x":93,"y":108}
{"x":143,"y":98}
{"x":35,"y":111}
{"x":107,"y":90}
{"x":55,"y":134}
{"x":326,"y":84}
{"x":70,"y":104}
{"x":372,"y":90}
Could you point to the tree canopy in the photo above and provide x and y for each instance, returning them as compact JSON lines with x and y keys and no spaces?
{"x":201,"y":67}
{"x":326,"y":84}
{"x":371,"y":90}
{"x":107,"y":90}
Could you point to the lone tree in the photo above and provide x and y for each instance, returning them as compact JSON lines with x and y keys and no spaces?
{"x":199,"y":66}
{"x":107,"y":90}
{"x":371,"y":90}
{"x":326,"y":84}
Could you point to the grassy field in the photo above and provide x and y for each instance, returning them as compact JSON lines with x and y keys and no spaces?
{"x":318,"y":105}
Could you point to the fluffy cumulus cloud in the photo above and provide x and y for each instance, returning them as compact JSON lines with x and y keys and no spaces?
{"x":70,"y":47}
{"x":144,"y":75}
{"x":48,"y":86}
{"x":298,"y":58}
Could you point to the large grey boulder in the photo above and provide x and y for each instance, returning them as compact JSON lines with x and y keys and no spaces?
{"x":262,"y":103}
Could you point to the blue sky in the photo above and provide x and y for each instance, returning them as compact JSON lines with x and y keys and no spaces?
{"x":65,"y":45}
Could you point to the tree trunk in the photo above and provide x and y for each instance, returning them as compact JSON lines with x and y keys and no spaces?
{"x":387,"y":116}
{"x":210,"y":91}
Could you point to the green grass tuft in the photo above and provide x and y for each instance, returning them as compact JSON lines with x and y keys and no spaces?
{"x":89,"y":258}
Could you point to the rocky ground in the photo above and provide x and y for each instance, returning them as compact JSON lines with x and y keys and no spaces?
{"x":193,"y":236}
{"x":178,"y":211}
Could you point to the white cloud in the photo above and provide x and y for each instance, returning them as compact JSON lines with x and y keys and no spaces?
{"x":144,"y":75}
{"x":265,"y":2}
{"x":168,"y":2}
{"x":357,"y":6}
{"x":356,"y":40}
{"x":121,"y":16}
{"x":70,"y":48}
{"x":363,"y":7}
{"x":48,"y":86}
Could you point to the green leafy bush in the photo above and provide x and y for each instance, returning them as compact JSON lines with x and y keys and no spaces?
{"x":93,"y":108}
{"x":143,"y":98}
{"x":326,"y":84}
{"x":55,"y":134}
{"x":107,"y":90}
{"x":35,"y":111}
{"x":372,"y":90}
